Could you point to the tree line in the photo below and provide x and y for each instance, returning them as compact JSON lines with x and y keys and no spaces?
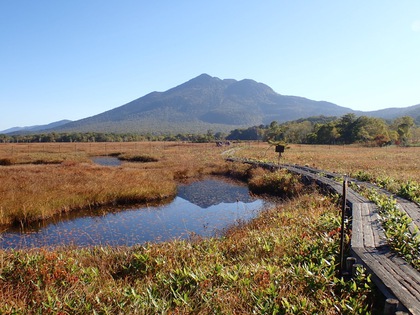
{"x":108,"y":137}
{"x":347,"y":129}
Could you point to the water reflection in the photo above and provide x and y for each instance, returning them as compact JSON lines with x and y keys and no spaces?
{"x":106,"y":160}
{"x":213,"y":192}
{"x":203,"y":208}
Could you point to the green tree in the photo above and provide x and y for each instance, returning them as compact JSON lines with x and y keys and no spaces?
{"x":403,"y":126}
{"x":298,"y":132}
{"x":275,"y":132}
{"x":371,"y":129}
{"x":327,"y":133}
{"x":345,"y":128}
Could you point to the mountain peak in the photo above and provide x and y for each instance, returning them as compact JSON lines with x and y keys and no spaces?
{"x":203,"y":76}
{"x":202,"y":79}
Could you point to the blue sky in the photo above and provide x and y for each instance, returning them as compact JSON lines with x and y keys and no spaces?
{"x":74,"y":59}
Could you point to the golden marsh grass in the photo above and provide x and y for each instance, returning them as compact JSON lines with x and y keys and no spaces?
{"x":45,"y":179}
{"x":32,"y":188}
{"x":399,"y":163}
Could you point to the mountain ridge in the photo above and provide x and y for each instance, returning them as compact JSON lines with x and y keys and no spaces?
{"x":36,"y":127}
{"x":209,"y":103}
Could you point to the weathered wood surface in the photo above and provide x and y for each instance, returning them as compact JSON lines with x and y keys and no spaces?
{"x":413,"y":211}
{"x":391,"y":274}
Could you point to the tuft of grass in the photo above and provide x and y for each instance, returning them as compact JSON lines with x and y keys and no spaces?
{"x":410,"y":190}
{"x":138,"y":158}
{"x":280,"y":182}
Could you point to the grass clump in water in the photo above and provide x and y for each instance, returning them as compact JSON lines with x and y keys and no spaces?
{"x":138,"y":158}
{"x":279,"y":182}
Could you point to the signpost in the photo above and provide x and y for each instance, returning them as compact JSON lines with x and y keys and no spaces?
{"x":280,"y":150}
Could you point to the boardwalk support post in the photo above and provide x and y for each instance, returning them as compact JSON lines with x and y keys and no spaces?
{"x":350,"y":261}
{"x":391,"y":306}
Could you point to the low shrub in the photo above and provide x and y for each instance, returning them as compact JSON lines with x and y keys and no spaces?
{"x":280,"y":182}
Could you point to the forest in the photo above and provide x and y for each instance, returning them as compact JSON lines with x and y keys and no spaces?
{"x":347,"y":129}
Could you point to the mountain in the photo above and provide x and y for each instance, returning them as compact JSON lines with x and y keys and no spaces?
{"x":391,"y":113}
{"x":53,"y":125}
{"x":204,"y":103}
{"x":209,"y":103}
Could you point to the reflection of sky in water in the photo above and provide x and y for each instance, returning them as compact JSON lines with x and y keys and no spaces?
{"x":178,"y":219}
{"x":106,"y":160}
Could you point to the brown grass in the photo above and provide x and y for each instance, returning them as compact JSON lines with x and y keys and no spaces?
{"x":33,"y":192}
{"x":47,"y":179}
{"x":396,"y":162}
{"x":44,"y":179}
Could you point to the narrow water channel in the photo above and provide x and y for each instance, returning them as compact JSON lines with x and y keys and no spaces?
{"x":203,"y":208}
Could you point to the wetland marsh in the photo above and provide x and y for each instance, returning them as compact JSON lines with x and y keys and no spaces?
{"x":203,"y":208}
{"x":284,"y":260}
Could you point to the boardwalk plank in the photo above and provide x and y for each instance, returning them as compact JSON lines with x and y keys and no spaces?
{"x":374,"y":221}
{"x":357,"y":227}
{"x":412,"y":210}
{"x":390,"y":279}
{"x":368,"y":238}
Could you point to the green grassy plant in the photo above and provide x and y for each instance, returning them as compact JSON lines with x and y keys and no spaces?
{"x":409,"y":190}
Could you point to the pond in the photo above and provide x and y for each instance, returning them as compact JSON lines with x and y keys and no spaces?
{"x":204,"y":208}
{"x":106,"y":160}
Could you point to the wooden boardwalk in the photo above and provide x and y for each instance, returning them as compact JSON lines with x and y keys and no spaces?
{"x":392,"y":275}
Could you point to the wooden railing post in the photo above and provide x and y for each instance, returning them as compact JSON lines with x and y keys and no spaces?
{"x":343,"y":217}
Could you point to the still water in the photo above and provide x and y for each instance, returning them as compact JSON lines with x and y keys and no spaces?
{"x":106,"y":160}
{"x":205,"y":208}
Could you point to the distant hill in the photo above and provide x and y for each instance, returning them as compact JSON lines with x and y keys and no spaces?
{"x":209,"y":103}
{"x":204,"y":103}
{"x":35,"y":128}
{"x":391,"y":113}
